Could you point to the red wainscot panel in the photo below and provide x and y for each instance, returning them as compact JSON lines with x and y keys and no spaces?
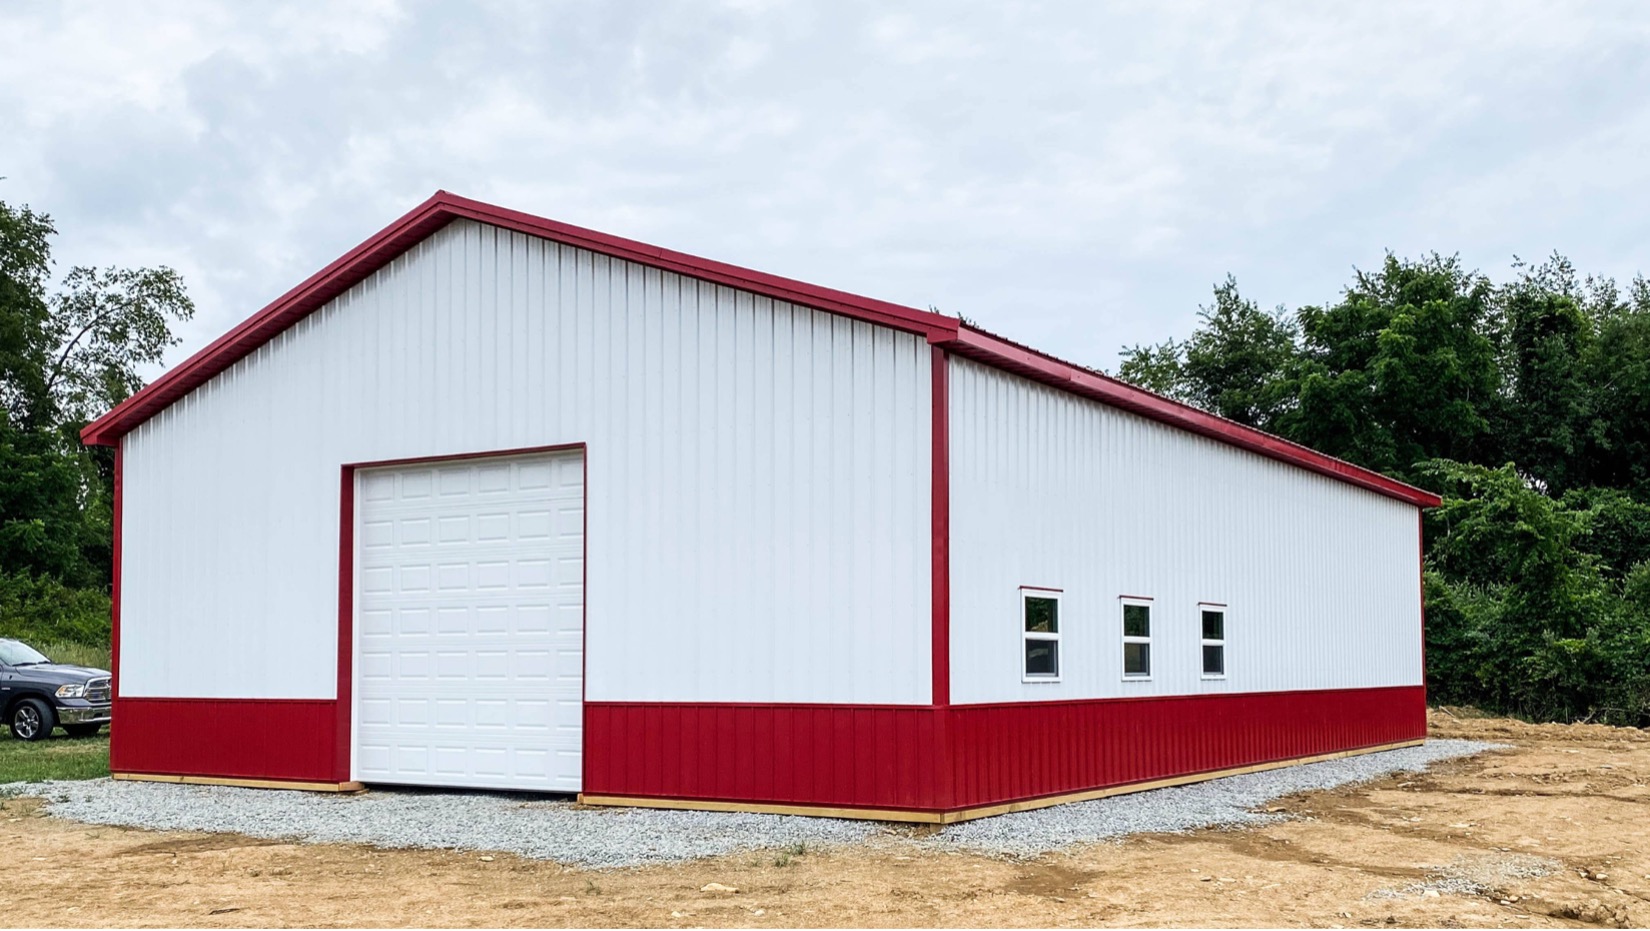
{"x":1013,"y":752}
{"x":274,"y":739}
{"x":842,"y":756}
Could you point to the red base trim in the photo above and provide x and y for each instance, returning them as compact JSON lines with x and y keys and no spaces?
{"x":906,"y":757}
{"x":285,"y":739}
{"x":967,"y":756}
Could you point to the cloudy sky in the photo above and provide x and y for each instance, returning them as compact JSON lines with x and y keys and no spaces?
{"x":1072,"y":175}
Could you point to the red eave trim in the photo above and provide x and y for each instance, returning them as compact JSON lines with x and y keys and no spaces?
{"x":441,"y":209}
{"x":1011,"y":357}
{"x":945,"y":332}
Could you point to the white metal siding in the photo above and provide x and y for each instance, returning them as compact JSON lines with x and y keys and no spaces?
{"x":758,"y":477}
{"x":469,"y":621}
{"x":1049,"y":489}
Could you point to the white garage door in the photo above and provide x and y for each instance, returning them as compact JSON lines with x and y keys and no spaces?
{"x":469,"y":623}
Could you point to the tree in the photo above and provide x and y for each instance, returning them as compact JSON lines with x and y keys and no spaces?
{"x":1400,"y":370}
{"x":66,"y":355}
{"x":1236,"y":364}
{"x":1526,"y":405}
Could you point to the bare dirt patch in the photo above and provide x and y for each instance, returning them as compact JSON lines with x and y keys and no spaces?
{"x":1552,"y":833}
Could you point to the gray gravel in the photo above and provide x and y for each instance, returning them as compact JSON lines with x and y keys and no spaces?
{"x":604,"y":838}
{"x":1229,"y":802}
{"x":531,"y":827}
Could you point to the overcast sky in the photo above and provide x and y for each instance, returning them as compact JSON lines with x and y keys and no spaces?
{"x":1075,"y":176}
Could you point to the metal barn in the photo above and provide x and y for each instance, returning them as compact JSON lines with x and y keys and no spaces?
{"x":497,"y":502}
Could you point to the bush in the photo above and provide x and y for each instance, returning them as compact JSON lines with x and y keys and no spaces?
{"x":1521,"y":617}
{"x":40,"y":609}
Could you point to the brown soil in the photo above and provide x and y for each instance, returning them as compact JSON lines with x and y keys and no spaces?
{"x":1358,"y":857}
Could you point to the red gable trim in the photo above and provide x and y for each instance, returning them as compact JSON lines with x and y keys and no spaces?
{"x":947,"y":332}
{"x":1029,"y":363}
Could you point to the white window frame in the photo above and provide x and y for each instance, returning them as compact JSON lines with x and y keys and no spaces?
{"x":1225,"y":666}
{"x":1151,"y":624}
{"x":1054,"y":595}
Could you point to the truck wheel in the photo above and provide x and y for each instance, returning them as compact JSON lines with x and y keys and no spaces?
{"x":31,"y":719}
{"x":81,"y":730}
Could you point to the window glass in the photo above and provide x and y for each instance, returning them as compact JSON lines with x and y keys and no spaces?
{"x":1137,"y":620}
{"x":1040,"y":635}
{"x":1214,"y":625}
{"x":1042,"y":657}
{"x":1137,"y":659}
{"x":1214,"y":659}
{"x":1042,"y":615}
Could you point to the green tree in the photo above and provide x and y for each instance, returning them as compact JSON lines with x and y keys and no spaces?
{"x":1236,"y":364}
{"x":66,"y":354}
{"x":1399,"y":371}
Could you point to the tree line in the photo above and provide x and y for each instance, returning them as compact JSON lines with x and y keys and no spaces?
{"x":70,"y":348}
{"x":1525,"y":403}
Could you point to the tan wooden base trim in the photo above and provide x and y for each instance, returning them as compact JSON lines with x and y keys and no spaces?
{"x":969,"y":814}
{"x":242,"y":783}
{"x":817,"y":811}
{"x":985,"y":811}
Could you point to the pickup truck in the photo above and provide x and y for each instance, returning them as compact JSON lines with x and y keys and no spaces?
{"x":38,"y":694}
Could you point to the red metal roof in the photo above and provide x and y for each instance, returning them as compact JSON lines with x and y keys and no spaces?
{"x":946,"y":332}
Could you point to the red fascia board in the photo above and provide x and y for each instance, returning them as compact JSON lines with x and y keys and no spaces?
{"x":1011,"y":357}
{"x":945,"y":332}
{"x":441,"y":209}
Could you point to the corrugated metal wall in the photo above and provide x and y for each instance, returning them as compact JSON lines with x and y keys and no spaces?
{"x":1005,"y":753}
{"x":1048,"y":489}
{"x":758,"y":477}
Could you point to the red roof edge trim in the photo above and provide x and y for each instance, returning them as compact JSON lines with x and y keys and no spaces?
{"x":927,"y":323}
{"x":946,"y":332}
{"x":441,"y":209}
{"x":349,"y":269}
{"x":1029,"y":363}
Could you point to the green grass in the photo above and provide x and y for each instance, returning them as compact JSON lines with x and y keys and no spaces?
{"x":75,"y":654}
{"x":58,"y":757}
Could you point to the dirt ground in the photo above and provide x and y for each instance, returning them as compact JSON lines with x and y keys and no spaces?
{"x":1460,"y":846}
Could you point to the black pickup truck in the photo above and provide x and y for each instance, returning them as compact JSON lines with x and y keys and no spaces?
{"x":38,"y":694}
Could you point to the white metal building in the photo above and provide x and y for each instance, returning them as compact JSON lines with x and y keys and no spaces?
{"x":497,"y":502}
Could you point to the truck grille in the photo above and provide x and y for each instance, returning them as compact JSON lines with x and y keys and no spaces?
{"x":97,"y":690}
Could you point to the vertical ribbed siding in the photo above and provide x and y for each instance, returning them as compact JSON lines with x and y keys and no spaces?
{"x":759,"y":513}
{"x":1003,"y":753}
{"x":1053,"y":490}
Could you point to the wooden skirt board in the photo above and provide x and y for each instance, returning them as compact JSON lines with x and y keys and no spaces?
{"x":986,"y":811}
{"x":242,"y":783}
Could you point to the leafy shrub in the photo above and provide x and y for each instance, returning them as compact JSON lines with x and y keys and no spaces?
{"x":41,"y":609}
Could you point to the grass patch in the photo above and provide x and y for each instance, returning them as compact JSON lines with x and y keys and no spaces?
{"x":56,"y":758}
{"x":75,"y":654}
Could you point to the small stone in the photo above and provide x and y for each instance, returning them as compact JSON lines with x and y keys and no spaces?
{"x":486,"y":859}
{"x":1601,"y":876}
{"x":1207,"y":879}
{"x":718,"y":888}
{"x":678,"y":915}
{"x":1431,"y":893}
{"x":760,"y":912}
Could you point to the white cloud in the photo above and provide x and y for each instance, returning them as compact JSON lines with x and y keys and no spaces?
{"x":1075,"y":176}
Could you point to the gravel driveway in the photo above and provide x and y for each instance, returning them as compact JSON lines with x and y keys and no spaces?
{"x":604,"y":838}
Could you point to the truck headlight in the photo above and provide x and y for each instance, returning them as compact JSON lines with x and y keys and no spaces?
{"x":71,"y":691}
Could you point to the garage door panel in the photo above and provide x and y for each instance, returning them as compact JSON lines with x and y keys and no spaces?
{"x":470,"y":621}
